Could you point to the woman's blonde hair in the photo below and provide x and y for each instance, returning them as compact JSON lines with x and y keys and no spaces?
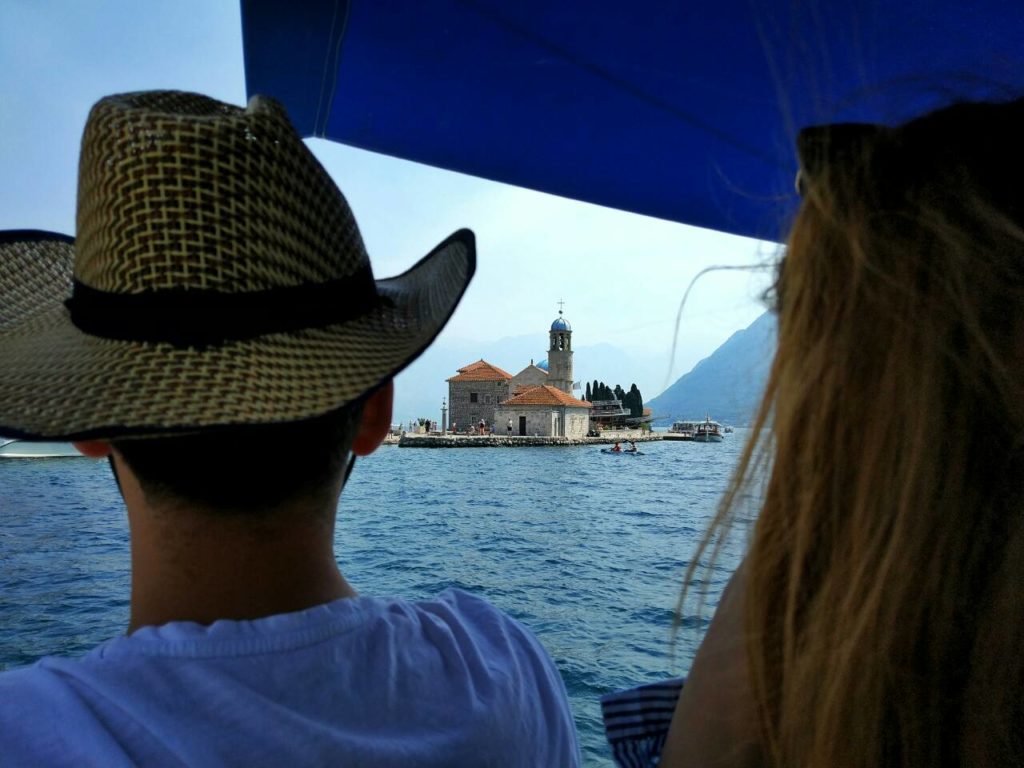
{"x":884,"y":604}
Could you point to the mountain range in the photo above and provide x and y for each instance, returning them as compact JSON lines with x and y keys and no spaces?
{"x":728,"y":384}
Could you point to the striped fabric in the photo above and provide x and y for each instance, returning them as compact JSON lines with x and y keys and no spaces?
{"x":636,"y":722}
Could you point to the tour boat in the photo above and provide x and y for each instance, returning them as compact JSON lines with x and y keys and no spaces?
{"x":708,"y":431}
{"x":26,"y":449}
{"x":683,"y":429}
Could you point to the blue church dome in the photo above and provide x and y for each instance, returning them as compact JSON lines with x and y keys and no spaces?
{"x":561,"y":324}
{"x":543,"y":364}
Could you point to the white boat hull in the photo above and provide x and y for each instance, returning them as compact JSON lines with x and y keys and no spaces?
{"x":25,"y":449}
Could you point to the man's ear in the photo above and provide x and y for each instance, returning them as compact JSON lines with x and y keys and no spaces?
{"x":94,"y":449}
{"x":376,"y":420}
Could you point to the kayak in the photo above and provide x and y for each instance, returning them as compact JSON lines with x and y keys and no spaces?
{"x":622,"y":453}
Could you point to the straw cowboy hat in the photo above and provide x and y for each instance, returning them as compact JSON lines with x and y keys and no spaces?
{"x":218,"y":278}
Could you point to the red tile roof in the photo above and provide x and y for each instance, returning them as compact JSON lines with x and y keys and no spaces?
{"x":481,"y":370}
{"x":520,"y":388}
{"x":545,"y":395}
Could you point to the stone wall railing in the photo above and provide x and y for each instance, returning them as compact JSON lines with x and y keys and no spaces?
{"x":499,"y":441}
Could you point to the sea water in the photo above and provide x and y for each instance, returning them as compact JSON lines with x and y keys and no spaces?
{"x":586,"y":549}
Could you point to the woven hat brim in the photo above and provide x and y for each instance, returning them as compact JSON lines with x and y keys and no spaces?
{"x":57,"y":382}
{"x":35,"y":274}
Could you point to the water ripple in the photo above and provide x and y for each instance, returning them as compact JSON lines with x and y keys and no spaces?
{"x":587,"y":552}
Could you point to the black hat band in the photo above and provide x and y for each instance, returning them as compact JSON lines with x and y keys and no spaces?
{"x":204,"y":318}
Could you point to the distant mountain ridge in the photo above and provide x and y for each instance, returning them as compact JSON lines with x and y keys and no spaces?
{"x":728,"y":384}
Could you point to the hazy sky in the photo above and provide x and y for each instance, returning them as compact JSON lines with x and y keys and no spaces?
{"x":621,"y":275}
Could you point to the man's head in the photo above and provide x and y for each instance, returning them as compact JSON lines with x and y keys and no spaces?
{"x":220,"y":286}
{"x":254,"y":469}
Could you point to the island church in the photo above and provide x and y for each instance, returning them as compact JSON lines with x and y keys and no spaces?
{"x":536,"y":401}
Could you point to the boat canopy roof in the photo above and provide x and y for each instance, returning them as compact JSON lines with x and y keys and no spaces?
{"x":684,"y":111}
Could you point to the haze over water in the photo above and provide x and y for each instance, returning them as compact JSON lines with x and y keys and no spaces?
{"x":587,"y":550}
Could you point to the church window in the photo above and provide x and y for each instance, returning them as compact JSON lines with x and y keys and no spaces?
{"x":472,"y":397}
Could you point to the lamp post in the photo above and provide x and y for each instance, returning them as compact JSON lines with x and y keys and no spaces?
{"x":444,"y":416}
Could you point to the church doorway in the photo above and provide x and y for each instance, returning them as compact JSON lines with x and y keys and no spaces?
{"x":522,"y":426}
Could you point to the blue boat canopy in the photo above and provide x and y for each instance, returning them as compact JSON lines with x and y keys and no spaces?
{"x":680,"y":110}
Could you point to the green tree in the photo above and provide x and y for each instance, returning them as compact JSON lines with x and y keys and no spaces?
{"x":636,"y":401}
{"x":587,"y":396}
{"x":628,"y":402}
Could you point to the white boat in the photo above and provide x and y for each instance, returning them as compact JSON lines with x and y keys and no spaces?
{"x":684,"y":430}
{"x":708,"y":431}
{"x":28,"y":449}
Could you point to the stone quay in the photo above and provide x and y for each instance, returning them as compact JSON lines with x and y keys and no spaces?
{"x":435,"y":440}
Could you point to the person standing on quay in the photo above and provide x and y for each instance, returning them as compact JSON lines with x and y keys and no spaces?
{"x":222,"y":306}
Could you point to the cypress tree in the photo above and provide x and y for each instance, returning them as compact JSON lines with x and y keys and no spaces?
{"x":636,"y":401}
{"x":587,"y":396}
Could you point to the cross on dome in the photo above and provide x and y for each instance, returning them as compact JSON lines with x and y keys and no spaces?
{"x":560,"y":324}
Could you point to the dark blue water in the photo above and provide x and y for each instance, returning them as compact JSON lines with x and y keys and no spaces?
{"x":586,"y":549}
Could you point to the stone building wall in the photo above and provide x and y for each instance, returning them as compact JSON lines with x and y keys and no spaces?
{"x":541,"y":420}
{"x":577,"y":422}
{"x":560,"y":360}
{"x":530,"y":376}
{"x":463,"y":412}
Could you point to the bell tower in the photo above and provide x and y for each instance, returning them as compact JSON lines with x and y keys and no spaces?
{"x":560,"y":353}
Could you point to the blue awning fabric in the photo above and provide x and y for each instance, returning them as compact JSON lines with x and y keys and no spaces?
{"x":672,"y":109}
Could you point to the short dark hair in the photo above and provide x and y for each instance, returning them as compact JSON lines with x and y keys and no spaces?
{"x":252,"y":467}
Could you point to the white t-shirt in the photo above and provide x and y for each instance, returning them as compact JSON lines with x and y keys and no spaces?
{"x":363,"y":681}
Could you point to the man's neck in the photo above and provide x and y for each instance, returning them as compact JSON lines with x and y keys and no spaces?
{"x":193,"y":565}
